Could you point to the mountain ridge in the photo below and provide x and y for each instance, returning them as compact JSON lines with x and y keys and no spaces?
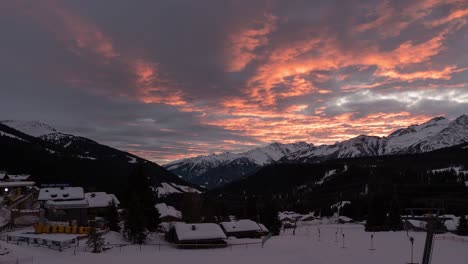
{"x":51,"y":156}
{"x":214,"y":171}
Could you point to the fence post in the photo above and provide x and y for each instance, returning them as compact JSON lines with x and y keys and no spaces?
{"x":343,"y":241}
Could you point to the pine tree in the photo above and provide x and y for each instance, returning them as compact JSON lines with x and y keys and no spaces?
{"x":393,"y":220}
{"x":95,"y":240}
{"x":462,"y":227}
{"x":139,"y":187}
{"x":269,"y":217}
{"x":251,"y":208}
{"x":135,"y":221}
{"x":377,"y":214}
{"x":113,"y":218}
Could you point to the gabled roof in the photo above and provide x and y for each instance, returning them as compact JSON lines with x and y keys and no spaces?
{"x":100,"y":199}
{"x":61,"y":194}
{"x":205,"y":231}
{"x":167,"y":210}
{"x":242,"y":225}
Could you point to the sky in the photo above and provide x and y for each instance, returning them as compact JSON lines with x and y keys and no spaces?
{"x":172,"y":79}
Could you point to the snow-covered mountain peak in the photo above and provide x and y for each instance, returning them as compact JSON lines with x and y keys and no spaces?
{"x":32,"y":128}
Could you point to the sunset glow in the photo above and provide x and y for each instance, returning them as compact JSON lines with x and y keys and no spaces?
{"x":216,"y":77}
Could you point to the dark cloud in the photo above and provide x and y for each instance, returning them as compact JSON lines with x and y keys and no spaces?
{"x":166,"y":79}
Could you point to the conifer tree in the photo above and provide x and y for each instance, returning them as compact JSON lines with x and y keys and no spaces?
{"x":135,"y":221}
{"x":95,"y":240}
{"x":393,"y":220}
{"x":113,"y":217}
{"x":269,"y":217}
{"x":140,"y":192}
{"x":462,"y":227}
{"x":251,"y":208}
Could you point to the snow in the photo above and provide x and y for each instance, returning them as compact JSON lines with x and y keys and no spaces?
{"x":326,"y":175}
{"x":414,"y":134}
{"x":166,"y":189}
{"x":3,"y":134}
{"x":61,"y":193}
{"x":345,"y":219}
{"x":32,"y":128}
{"x":167,"y":210}
{"x":86,"y":157}
{"x":100,"y":199}
{"x":340,"y":204}
{"x":132,"y":160}
{"x":458,"y":170}
{"x":304,"y":247}
{"x":288,"y":215}
{"x":67,"y":145}
{"x":452,"y":222}
{"x":169,"y":188}
{"x":198,"y":231}
{"x":2,"y":175}
{"x":20,"y":177}
{"x":437,"y":133}
{"x":241,"y":226}
{"x":259,"y":156}
{"x":17,"y":184}
{"x":186,"y":189}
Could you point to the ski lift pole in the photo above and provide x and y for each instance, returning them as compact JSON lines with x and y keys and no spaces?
{"x":372,"y":242}
{"x":412,"y":247}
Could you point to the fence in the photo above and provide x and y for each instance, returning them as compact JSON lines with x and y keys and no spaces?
{"x":18,"y":260}
{"x":162,"y":246}
{"x":40,"y":242}
{"x":451,"y":238}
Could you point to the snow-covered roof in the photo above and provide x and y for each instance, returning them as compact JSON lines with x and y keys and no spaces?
{"x":242,"y":225}
{"x":100,"y":199}
{"x":198,"y":231}
{"x":167,"y":210}
{"x":61,"y":193}
{"x":307,"y":217}
{"x":345,"y":219}
{"x":2,"y":175}
{"x":19,"y":177}
{"x":263,"y":228}
{"x":17,"y":184}
{"x":288,"y":215}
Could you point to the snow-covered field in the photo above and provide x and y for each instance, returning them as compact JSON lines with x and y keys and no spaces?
{"x":304,"y":247}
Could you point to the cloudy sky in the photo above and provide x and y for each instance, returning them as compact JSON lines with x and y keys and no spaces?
{"x":171,"y":79}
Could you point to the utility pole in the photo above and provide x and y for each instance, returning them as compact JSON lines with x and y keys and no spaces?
{"x":433,"y":219}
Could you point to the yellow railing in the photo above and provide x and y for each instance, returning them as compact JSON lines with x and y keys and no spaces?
{"x":56,"y":229}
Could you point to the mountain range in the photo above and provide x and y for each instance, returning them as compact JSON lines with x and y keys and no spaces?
{"x":50,"y":156}
{"x":216,"y":170}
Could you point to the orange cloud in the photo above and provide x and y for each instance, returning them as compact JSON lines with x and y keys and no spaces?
{"x":242,"y":44}
{"x":455,"y":15}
